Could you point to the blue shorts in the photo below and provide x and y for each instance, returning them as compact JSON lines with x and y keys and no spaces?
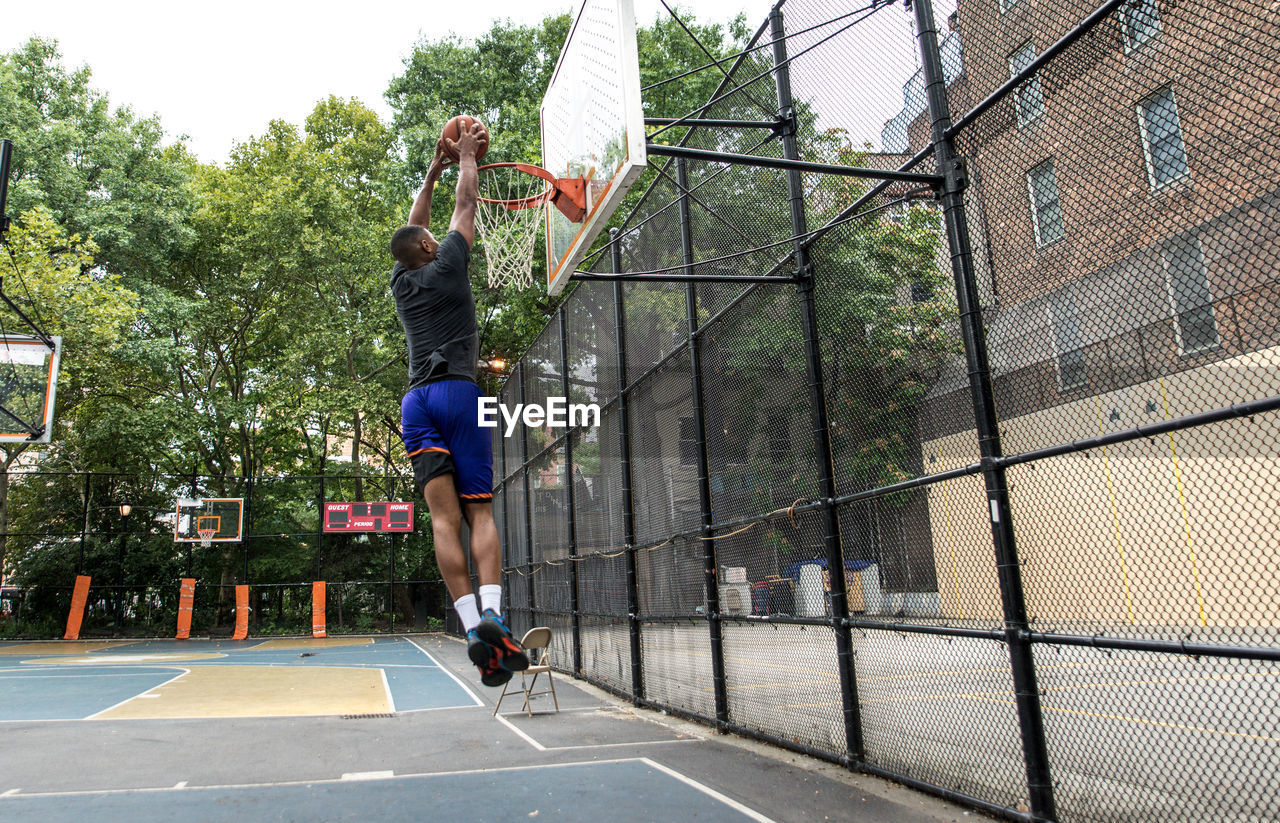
{"x":440,"y":426}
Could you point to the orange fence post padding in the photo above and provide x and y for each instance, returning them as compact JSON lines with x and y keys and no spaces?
{"x":186,"y":600}
{"x":242,"y":613}
{"x":317,"y":609}
{"x":78,"y":598}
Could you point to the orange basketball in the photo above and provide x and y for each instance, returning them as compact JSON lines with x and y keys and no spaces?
{"x":454,"y":127}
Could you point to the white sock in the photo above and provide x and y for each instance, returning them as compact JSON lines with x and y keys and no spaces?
{"x":491,"y":598}
{"x":467,"y":612}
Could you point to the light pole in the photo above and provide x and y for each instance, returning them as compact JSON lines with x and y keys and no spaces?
{"x":125,"y":509}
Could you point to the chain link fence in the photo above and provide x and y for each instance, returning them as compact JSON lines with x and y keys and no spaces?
{"x":981,"y":495}
{"x":62,"y":524}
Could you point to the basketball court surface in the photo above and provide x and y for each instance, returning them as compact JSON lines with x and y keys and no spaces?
{"x":385,"y":728}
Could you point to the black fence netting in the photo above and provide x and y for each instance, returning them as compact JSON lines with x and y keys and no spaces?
{"x":982,"y":495}
{"x":119,"y":531}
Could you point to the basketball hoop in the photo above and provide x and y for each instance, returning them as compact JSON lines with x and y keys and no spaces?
{"x":206,"y":537}
{"x":509,"y":216}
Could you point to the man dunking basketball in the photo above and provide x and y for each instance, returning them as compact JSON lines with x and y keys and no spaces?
{"x":452,"y":456}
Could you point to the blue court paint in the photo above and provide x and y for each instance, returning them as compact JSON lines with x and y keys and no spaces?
{"x":629,"y":791}
{"x":40,"y":692}
{"x":48,"y":691}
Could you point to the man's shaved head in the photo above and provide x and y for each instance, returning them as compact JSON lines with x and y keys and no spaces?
{"x":406,"y":245}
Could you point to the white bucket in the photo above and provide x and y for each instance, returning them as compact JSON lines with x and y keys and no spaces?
{"x":811,"y":595}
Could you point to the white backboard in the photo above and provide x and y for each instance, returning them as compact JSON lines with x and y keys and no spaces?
{"x":223,"y":514}
{"x":592,"y":127}
{"x":28,"y":386}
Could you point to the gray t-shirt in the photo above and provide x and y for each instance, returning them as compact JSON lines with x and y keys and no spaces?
{"x":438,"y":313}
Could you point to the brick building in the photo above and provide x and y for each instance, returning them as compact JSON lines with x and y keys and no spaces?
{"x":1123,"y":205}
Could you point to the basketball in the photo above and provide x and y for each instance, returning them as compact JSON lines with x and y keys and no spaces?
{"x":453,"y":128}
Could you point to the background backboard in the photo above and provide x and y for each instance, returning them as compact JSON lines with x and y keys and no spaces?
{"x":225,"y":514}
{"x":592,"y":127}
{"x":28,"y":383}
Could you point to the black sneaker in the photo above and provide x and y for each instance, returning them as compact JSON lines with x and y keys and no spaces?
{"x":493,"y":630}
{"x":478,"y":650}
{"x":487,"y":660}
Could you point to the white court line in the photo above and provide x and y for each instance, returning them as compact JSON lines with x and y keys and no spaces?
{"x":323,"y":781}
{"x":382,"y":775}
{"x":464,"y":686}
{"x":183,"y":673}
{"x":386,"y":687}
{"x":707,"y":790}
{"x":710,"y":792}
{"x":528,"y":739}
{"x":34,"y":675}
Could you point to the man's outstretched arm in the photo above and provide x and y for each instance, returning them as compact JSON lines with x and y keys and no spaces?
{"x":420,"y":214}
{"x":464,"y":209}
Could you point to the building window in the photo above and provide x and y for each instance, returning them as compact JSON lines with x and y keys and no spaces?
{"x":1028,"y":98}
{"x":1190,"y":301}
{"x":1139,"y":22}
{"x":688,"y":442}
{"x":1068,"y":342}
{"x":1046,"y":209}
{"x":1162,"y":139}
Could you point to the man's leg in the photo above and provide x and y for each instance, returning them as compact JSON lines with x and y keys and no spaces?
{"x":487,"y":554}
{"x":446,"y":528}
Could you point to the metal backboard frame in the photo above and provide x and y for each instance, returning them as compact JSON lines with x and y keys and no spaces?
{"x":592,"y":127}
{"x":28,"y":388}
{"x":228,"y":512}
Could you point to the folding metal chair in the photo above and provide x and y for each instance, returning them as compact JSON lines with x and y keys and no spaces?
{"x":537,"y":643}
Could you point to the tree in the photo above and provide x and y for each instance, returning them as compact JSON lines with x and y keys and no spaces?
{"x":101,"y":173}
{"x":68,"y":297}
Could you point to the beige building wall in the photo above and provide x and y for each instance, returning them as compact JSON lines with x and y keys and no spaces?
{"x":1180,"y":529}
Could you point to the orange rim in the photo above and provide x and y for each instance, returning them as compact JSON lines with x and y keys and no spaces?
{"x":528,"y":201}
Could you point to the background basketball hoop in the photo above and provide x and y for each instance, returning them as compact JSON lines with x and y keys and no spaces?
{"x":509,"y":216}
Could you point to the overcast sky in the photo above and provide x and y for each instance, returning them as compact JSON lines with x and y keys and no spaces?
{"x":218,"y":72}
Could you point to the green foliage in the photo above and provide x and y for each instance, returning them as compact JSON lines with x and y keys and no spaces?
{"x":102,"y":173}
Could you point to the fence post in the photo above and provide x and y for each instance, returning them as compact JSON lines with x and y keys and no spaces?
{"x":84,"y":522}
{"x":833,"y":549}
{"x":951,"y":166}
{"x":528,"y":501}
{"x":624,"y":460}
{"x":320,"y":530}
{"x":568,"y":483}
{"x":248,"y":527}
{"x":504,"y":539}
{"x":709,"y":563}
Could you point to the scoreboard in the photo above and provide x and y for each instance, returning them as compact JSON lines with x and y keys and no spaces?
{"x":368,"y":517}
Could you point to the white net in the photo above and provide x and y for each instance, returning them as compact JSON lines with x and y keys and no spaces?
{"x":509,"y":221}
{"x":206,"y":537}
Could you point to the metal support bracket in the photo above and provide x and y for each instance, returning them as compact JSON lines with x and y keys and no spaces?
{"x":956,"y":178}
{"x":788,"y":124}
